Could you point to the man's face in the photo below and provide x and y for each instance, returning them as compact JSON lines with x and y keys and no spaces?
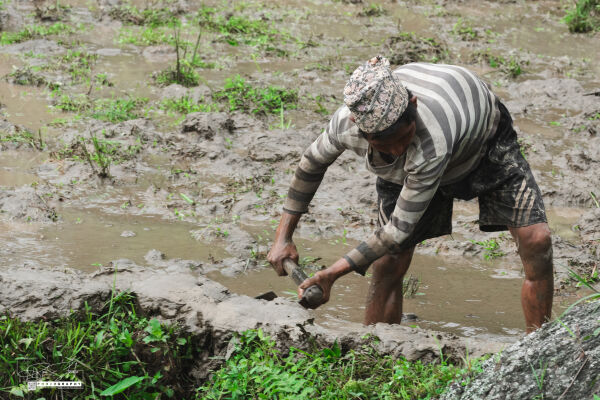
{"x":395,"y":144}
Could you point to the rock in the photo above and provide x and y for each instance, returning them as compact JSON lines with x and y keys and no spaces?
{"x":128,"y":234}
{"x":567,"y":359}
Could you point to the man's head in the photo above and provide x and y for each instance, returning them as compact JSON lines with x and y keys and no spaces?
{"x":383,"y":109}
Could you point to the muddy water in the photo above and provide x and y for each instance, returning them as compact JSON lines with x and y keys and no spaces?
{"x":460,"y":293}
{"x":89,"y":238}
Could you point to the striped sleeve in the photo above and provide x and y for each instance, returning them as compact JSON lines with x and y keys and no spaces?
{"x":419,"y":188}
{"x":313,"y":164}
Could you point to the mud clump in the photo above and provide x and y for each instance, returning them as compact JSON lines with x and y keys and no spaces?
{"x":553,"y":362}
{"x":408,"y":47}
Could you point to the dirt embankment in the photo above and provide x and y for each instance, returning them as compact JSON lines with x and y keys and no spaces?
{"x":208,"y":310}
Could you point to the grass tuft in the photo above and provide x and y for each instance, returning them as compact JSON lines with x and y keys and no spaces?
{"x":584,"y":17}
{"x":257,"y":369}
{"x":241,"y":95}
{"x":35,"y":31}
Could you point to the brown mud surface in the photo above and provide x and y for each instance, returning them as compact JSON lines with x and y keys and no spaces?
{"x":208,"y":187}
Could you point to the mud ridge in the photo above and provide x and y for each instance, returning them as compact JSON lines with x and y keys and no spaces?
{"x":205,"y":308}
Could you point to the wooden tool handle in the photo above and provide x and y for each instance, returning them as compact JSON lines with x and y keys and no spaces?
{"x":312,"y":296}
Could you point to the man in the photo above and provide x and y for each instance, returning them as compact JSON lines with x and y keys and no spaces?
{"x":431,"y":133}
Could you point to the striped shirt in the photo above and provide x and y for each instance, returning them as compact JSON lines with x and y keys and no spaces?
{"x":456,"y":114}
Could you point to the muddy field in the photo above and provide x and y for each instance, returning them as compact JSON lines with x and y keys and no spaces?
{"x":102,"y":157}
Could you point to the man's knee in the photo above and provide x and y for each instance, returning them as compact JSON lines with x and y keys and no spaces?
{"x":535,"y":247}
{"x":537,"y":240}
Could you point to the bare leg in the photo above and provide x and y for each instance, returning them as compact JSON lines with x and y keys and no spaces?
{"x":534,"y":244}
{"x":384,"y":302}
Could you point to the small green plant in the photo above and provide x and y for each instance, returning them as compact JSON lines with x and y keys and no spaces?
{"x":151,"y":16}
{"x":372,"y":10}
{"x":512,"y":66}
{"x":266,"y":100}
{"x":186,"y":105}
{"x":113,"y":350}
{"x":257,"y":370}
{"x":238,"y":29}
{"x":584,"y":17}
{"x":464,"y":30}
{"x":491,"y":248}
{"x":35,"y":31}
{"x":117,"y":110}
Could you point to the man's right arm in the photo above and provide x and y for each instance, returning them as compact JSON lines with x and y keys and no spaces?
{"x":307,"y":178}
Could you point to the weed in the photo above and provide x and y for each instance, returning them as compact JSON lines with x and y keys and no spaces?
{"x":35,"y":31}
{"x":117,"y":110}
{"x":236,"y":30}
{"x":491,"y":248}
{"x":256,"y":369}
{"x":186,"y":105}
{"x":243,"y":96}
{"x":23,"y":136}
{"x":71,"y":103}
{"x":183,"y":72}
{"x":511,"y":66}
{"x":464,"y":30}
{"x":116,"y":350}
{"x":153,"y":17}
{"x":585,"y":17}
{"x":28,"y":76}
{"x":146,"y":37}
{"x":410,"y":286}
{"x":372,"y":10}
{"x":539,"y":378}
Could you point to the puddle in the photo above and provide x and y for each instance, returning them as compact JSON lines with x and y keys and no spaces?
{"x":16,"y":168}
{"x":89,"y":237}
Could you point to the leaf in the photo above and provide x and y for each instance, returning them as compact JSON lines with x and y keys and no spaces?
{"x":16,"y":391}
{"x":183,"y":196}
{"x":121,"y":386}
{"x":181,"y":341}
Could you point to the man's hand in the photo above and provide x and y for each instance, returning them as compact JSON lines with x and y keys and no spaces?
{"x":281,"y":250}
{"x":325,"y":279}
{"x":283,"y":246}
{"x":322,"y":278}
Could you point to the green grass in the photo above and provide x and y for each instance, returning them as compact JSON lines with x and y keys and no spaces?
{"x":239,"y":29}
{"x":241,"y":95}
{"x":152,"y":17}
{"x":491,"y":248}
{"x":146,"y":37}
{"x":117,"y":110}
{"x":35,"y":31}
{"x":512,"y":66}
{"x":584,"y":16}
{"x":257,"y":370}
{"x":464,"y":30}
{"x":185,"y":105}
{"x":104,"y":109}
{"x":118,"y":345}
{"x":372,"y":10}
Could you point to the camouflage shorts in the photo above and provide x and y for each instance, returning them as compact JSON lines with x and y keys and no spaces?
{"x":503,"y":183}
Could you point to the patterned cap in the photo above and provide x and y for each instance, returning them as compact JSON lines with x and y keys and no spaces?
{"x":375,"y":95}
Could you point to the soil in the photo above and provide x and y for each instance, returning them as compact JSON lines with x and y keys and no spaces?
{"x":209,"y":186}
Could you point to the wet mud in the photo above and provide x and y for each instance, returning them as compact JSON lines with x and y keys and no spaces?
{"x":208,"y":186}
